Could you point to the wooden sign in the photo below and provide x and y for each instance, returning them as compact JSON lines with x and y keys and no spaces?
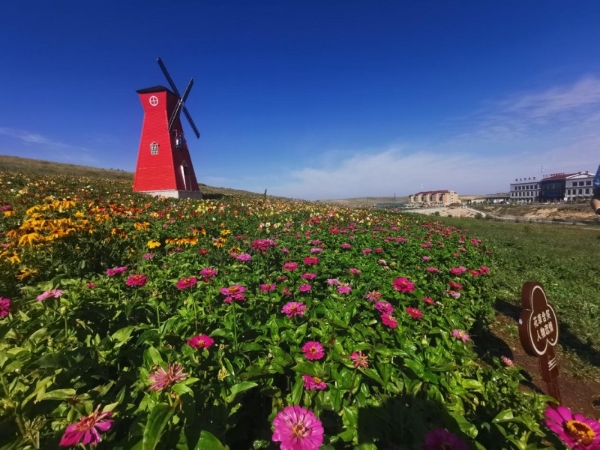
{"x":538,"y":331}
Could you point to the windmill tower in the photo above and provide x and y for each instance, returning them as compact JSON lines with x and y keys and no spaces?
{"x":164,"y":166}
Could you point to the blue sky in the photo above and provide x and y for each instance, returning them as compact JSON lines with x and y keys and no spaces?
{"x":313,"y":99}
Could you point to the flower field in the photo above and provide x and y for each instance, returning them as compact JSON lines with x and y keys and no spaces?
{"x":128,"y":322}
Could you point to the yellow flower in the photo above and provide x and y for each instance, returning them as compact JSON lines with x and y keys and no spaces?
{"x":9,"y":213}
{"x":25,"y":272}
{"x":225,"y":233}
{"x":153,"y":244}
{"x":29,"y":239}
{"x":141,"y":226}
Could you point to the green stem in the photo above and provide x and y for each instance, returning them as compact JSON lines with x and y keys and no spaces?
{"x":235,"y":341}
{"x":195,"y":314}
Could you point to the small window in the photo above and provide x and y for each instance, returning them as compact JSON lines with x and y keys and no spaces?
{"x":154,"y":148}
{"x":587,"y":191}
{"x":588,"y":183}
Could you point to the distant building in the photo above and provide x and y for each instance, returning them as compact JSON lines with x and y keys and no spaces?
{"x":552,"y":187}
{"x":433,"y":198}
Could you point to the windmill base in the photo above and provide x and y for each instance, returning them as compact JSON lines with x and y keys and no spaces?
{"x":174,"y":194}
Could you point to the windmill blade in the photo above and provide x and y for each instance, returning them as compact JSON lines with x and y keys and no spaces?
{"x":180,"y":103}
{"x":168,"y":77}
{"x":191,"y":122}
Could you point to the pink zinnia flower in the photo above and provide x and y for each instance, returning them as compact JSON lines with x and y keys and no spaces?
{"x":346,"y":246}
{"x":311,"y":260}
{"x":455,"y":286}
{"x":305,"y":287}
{"x":355,"y":271}
{"x":116,"y":271}
{"x":359,"y":359}
{"x":373,"y":296}
{"x":403,"y":285}
{"x":313,"y":350}
{"x":508,"y":362}
{"x":291,"y":266}
{"x":262,"y":245}
{"x":428,"y":300}
{"x":442,"y":439}
{"x":297,"y":428}
{"x":268,"y":287}
{"x":148,"y":255}
{"x":236,"y":289}
{"x":389,"y":320}
{"x":87,"y":429}
{"x":200,"y":341}
{"x":293,"y":309}
{"x":474,"y":272}
{"x":461,"y":335}
{"x":308,"y":276}
{"x":366,"y":251}
{"x":136,"y":280}
{"x":433,"y":270}
{"x":51,"y":293}
{"x":90,"y":285}
{"x":415,"y":313}
{"x":208,"y":272}
{"x":244,"y":257}
{"x":161,"y":379}
{"x":456,"y":271}
{"x":384,"y":307}
{"x":575,"y":430}
{"x":333,"y":282}
{"x":186,"y":283}
{"x":484,"y":270}
{"x":452,"y":294}
{"x":426,"y":258}
{"x":5,"y":306}
{"x":316,"y":250}
{"x":311,"y":383}
{"x":344,"y":288}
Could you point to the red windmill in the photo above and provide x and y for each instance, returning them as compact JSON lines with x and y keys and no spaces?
{"x":164,"y":166}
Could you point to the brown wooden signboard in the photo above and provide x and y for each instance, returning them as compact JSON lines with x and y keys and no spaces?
{"x":538,"y":330}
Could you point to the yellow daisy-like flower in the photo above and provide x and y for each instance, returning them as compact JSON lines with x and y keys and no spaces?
{"x":153,"y":244}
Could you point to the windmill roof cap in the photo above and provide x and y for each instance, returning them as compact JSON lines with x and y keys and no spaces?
{"x":158,"y":88}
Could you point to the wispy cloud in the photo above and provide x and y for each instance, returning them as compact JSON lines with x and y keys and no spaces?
{"x":57,"y":150}
{"x":557,"y":128}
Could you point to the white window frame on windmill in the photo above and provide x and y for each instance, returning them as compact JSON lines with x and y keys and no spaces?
{"x":154,"y":148}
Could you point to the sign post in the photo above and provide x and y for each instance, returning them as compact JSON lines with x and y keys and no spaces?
{"x":538,"y":331}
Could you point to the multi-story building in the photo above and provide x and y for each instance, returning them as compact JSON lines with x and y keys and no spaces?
{"x":579,"y":186}
{"x":525,"y":190}
{"x":434,"y":198}
{"x":552,"y":187}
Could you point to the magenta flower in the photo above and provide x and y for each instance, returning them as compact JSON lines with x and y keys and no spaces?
{"x":293,"y":309}
{"x":161,"y":379}
{"x":508,"y":362}
{"x":389,"y":320}
{"x":384,"y":307}
{"x":333,"y":282}
{"x":316,"y":250}
{"x":442,"y":439}
{"x":5,"y":306}
{"x":262,"y":245}
{"x":148,"y":255}
{"x":461,"y":335}
{"x":484,"y":270}
{"x":268,"y":287}
{"x":575,"y":430}
{"x":305,"y":287}
{"x":313,"y":350}
{"x":403,"y":285}
{"x":200,"y":341}
{"x":428,"y":300}
{"x":426,"y":258}
{"x":366,"y":251}
{"x":90,"y":285}
{"x":452,"y":294}
{"x":313,"y":383}
{"x":415,"y":313}
{"x":244,"y":257}
{"x":359,"y":360}
{"x":87,"y":429}
{"x":186,"y":283}
{"x":456,"y":271}
{"x":297,"y":428}
{"x":290,"y":266}
{"x":116,"y":271}
{"x":373,"y":296}
{"x":136,"y":280}
{"x":311,"y":261}
{"x":308,"y":276}
{"x":344,"y":288}
{"x":208,"y":272}
{"x":355,"y":271}
{"x":455,"y":286}
{"x":233,"y":290}
{"x":433,"y":270}
{"x":346,"y":246}
{"x":51,"y":293}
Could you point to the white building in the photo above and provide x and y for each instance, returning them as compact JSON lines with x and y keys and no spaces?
{"x":525,"y":190}
{"x":579,"y":186}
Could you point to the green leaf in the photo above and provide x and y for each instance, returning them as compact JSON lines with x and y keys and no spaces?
{"x":238,"y":388}
{"x":157,"y":421}
{"x":208,"y":441}
{"x":504,"y":416}
{"x":152,"y":357}
{"x":297,"y":391}
{"x":59,"y":394}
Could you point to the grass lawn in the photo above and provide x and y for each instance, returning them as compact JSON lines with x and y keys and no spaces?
{"x":566,"y":260}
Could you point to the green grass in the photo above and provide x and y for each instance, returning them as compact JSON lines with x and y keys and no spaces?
{"x":566,"y":261}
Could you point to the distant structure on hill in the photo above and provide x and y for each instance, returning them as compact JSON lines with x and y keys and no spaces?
{"x":553,"y":187}
{"x":164,"y":166}
{"x":433,"y":198}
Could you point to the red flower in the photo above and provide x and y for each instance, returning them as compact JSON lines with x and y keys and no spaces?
{"x":311,"y":260}
{"x":403,"y":285}
{"x":136,"y":280}
{"x":415,"y":313}
{"x":389,"y":320}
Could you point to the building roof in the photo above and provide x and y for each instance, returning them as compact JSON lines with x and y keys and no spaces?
{"x":158,"y":88}
{"x":432,"y":192}
{"x":558,"y":176}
